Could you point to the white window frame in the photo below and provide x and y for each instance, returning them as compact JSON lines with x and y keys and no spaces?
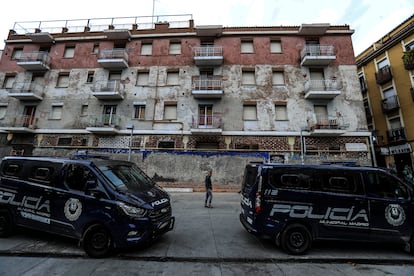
{"x":248,"y":78}
{"x":142,"y":78}
{"x":69,"y":52}
{"x":140,"y":108}
{"x":281,"y":112}
{"x":275,"y":47}
{"x":56,"y":113}
{"x":175,"y":48}
{"x":278,"y":78}
{"x":247,"y":47}
{"x":173,"y":78}
{"x":170,"y":112}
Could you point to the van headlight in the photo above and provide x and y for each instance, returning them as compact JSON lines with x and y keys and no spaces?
{"x":132,"y":211}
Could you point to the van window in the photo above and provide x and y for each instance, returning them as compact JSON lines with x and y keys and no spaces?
{"x":385,"y":186}
{"x":76,"y":176}
{"x":289,"y":179}
{"x":11,"y":169}
{"x":41,"y":174}
{"x":249,"y":177}
{"x":340,"y":182}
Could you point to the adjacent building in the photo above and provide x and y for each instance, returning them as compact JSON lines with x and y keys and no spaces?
{"x":386,"y":74}
{"x":127,"y":86}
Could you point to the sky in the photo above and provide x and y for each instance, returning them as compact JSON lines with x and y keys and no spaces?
{"x":370,"y":19}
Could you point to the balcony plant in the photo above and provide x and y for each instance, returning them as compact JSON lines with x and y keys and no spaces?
{"x":408,"y":59}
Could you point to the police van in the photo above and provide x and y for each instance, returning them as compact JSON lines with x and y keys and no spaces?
{"x":298,"y":204}
{"x":105,"y":204}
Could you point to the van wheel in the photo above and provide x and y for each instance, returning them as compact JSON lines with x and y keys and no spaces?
{"x":6,"y":223}
{"x":296,"y":239}
{"x":97,"y":241}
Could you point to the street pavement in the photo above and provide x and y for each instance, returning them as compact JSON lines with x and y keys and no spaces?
{"x":206,"y":240}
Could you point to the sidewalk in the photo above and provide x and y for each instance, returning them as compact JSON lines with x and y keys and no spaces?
{"x":211,"y":235}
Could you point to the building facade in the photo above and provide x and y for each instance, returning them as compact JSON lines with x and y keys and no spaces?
{"x":287,"y":93}
{"x":386,"y":75}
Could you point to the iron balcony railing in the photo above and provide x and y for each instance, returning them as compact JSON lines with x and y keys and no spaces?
{"x":396,"y":134}
{"x":390,"y":103}
{"x":323,"y":85}
{"x":207,"y":121}
{"x":25,"y":87}
{"x":108,"y":86}
{"x":317,"y":50}
{"x":326,"y":123}
{"x":105,"y":120}
{"x":209,"y":83}
{"x":208,"y":51}
{"x":116,"y":53}
{"x":383,"y":75}
{"x":26,"y":121}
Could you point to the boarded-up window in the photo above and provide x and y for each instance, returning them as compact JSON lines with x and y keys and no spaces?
{"x":142,"y":78}
{"x":69,"y":52}
{"x":8,"y":82}
{"x":172,"y":78}
{"x":170,"y":112}
{"x":278,"y":78}
{"x":17,"y":53}
{"x":175,"y":48}
{"x":56,"y":112}
{"x":281,"y":112}
{"x":248,"y":78}
{"x":247,"y":47}
{"x":3,"y":109}
{"x":275,"y":47}
{"x":63,"y":81}
{"x":249,"y":112}
{"x":146,"y":49}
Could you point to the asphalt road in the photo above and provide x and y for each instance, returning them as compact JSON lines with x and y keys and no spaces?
{"x":204,"y":242}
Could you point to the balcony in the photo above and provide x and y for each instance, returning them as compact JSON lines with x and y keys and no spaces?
{"x":390,"y":104}
{"x":19,"y":124}
{"x":383,"y":75}
{"x":34,"y":61}
{"x":317,"y":55}
{"x":108,"y":90}
{"x":408,"y":60}
{"x":322,"y":89}
{"x":208,"y":56}
{"x":396,"y":135}
{"x":207,"y":88}
{"x":104,"y":124}
{"x":207,"y":125}
{"x":26,"y":91}
{"x":113,"y":58}
{"x":329,"y":126}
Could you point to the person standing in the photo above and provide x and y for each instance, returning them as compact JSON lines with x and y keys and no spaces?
{"x":209,"y":189}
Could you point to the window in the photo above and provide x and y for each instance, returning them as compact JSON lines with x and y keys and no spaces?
{"x":69,"y":52}
{"x":89,"y":78}
{"x":139,"y":112}
{"x":248,"y":78}
{"x":142,"y":78}
{"x":8,"y":82}
{"x":249,"y":112}
{"x":63,"y":81}
{"x":172,"y":78}
{"x":247,"y":47}
{"x":385,"y":186}
{"x":175,"y":48}
{"x":109,"y":115}
{"x":84,"y":110}
{"x":95,"y":49}
{"x":166,"y":144}
{"x":76,"y":177}
{"x":3,"y":110}
{"x":170,"y":112}
{"x":56,"y":113}
{"x":41,"y":174}
{"x":289,"y":179}
{"x":17,"y":53}
{"x":278,"y":78}
{"x":382,"y":63}
{"x":65,"y":141}
{"x":146,"y":49}
{"x":275,"y":46}
{"x":281,"y":112}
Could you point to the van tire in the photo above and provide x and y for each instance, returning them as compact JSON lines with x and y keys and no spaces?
{"x":97,"y":241}
{"x":296,"y":239}
{"x":6,"y":223}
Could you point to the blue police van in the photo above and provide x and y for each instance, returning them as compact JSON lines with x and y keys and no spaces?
{"x":104,"y":204}
{"x":297,"y":204}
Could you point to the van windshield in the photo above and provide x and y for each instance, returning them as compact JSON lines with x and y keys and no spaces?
{"x":127,"y":177}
